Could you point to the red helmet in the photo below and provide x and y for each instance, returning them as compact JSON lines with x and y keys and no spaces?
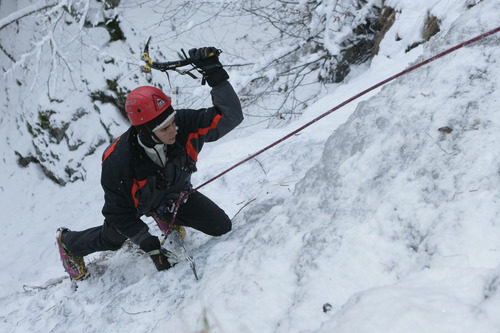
{"x":145,"y":103}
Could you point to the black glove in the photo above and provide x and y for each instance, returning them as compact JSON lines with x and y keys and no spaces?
{"x":206,"y":59}
{"x":151,"y":245}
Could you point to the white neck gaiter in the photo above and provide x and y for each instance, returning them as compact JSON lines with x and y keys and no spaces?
{"x":158,"y":154}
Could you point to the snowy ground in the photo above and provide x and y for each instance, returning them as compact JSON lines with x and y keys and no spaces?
{"x":372,"y":220}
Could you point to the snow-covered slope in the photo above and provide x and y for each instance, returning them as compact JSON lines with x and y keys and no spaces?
{"x":409,"y":211}
{"x":381,"y":218}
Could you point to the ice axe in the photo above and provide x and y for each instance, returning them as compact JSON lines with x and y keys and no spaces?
{"x":170,"y":65}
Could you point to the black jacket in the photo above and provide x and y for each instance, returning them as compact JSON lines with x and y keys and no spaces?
{"x":134,"y":185}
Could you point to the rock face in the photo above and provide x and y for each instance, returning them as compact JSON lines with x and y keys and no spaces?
{"x":362,"y":45}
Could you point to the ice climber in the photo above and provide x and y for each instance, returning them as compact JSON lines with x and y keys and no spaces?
{"x":148,"y":166}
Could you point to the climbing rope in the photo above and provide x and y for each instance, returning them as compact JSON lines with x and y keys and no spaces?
{"x":184,"y":195}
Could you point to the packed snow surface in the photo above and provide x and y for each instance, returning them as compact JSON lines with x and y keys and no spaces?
{"x":382,"y":217}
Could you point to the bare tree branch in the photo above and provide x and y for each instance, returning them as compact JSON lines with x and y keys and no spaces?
{"x":29,"y":10}
{"x":7,"y":54}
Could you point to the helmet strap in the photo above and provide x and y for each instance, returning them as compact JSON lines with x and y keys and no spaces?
{"x":155,"y":138}
{"x":148,"y":138}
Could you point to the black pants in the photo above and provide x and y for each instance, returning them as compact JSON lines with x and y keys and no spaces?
{"x":199,"y":212}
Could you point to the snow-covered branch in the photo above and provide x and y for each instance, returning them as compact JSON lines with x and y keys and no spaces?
{"x":29,"y":10}
{"x":319,"y":42}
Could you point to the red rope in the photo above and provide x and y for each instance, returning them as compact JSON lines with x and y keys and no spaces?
{"x":347,"y":101}
{"x":406,"y":71}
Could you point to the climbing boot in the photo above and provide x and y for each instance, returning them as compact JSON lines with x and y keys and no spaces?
{"x":73,"y":265}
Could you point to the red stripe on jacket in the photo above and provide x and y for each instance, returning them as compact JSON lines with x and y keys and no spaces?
{"x":110,"y":150}
{"x":137,"y":185}
{"x":202,"y":131}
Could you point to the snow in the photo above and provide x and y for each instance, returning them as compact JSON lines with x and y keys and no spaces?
{"x":23,"y":11}
{"x":373,"y":210}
